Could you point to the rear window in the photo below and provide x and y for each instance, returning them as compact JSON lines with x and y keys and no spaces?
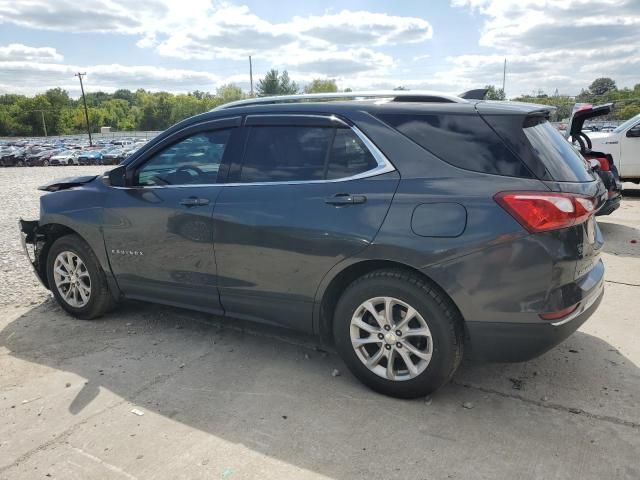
{"x":465,"y":141}
{"x":561,"y":160}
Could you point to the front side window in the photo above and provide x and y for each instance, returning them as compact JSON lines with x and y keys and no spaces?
{"x":194,"y":160}
{"x":300,"y":153}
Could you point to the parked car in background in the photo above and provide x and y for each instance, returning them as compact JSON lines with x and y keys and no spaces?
{"x":90,"y":157}
{"x":41,"y":159}
{"x":12,"y":156}
{"x":406,"y":229}
{"x":66,"y":157}
{"x":602,"y":162}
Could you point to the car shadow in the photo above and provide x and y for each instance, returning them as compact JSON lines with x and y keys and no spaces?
{"x":620,"y":239}
{"x":274,"y":392}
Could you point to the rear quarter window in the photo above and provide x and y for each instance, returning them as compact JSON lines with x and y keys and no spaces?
{"x":465,"y":141}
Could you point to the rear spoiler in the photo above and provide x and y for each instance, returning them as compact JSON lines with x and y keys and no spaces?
{"x":475,"y":94}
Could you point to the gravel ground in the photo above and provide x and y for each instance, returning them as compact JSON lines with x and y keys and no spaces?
{"x":158,"y":392}
{"x":19,"y":198}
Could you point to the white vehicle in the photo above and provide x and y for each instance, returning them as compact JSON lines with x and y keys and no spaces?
{"x":623,"y":144}
{"x":67,"y":157}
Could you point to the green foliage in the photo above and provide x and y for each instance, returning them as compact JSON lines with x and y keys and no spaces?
{"x":602,"y":85}
{"x":319,"y":85}
{"x":494,"y":93}
{"x":122,"y":110}
{"x":275,"y":83}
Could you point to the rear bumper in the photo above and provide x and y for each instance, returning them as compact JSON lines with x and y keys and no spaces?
{"x":517,"y":342}
{"x":610,"y":205}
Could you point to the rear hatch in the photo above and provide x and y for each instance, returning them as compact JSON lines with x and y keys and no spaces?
{"x":583,"y":112}
{"x":562,"y":169}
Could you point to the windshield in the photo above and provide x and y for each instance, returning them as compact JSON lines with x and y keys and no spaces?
{"x":622,"y":127}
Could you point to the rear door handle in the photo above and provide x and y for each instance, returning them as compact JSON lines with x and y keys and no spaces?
{"x":194,"y":202}
{"x":345,"y":199}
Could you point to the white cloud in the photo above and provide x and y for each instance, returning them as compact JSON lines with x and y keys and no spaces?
{"x":331,"y":44}
{"x":19,"y":52}
{"x":553,"y":44}
{"x":36,"y":77}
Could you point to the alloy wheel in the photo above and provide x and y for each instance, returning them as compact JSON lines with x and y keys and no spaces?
{"x":72,"y":279}
{"x":391,"y":338}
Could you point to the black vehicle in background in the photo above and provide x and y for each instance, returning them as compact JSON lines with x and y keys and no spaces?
{"x":601,"y":163}
{"x":406,"y":228}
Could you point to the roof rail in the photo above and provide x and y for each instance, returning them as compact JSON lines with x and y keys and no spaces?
{"x":393,"y":95}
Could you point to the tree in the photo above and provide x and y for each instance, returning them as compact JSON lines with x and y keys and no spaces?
{"x":269,"y":85}
{"x":275,"y":84}
{"x":602,"y":85}
{"x":319,"y":85}
{"x":229,"y":93}
{"x":287,"y":87}
{"x":494,"y":93}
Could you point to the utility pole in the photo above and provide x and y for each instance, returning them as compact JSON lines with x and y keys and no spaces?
{"x":44,"y":124}
{"x":504,"y":77}
{"x":251,"y":75}
{"x":84,"y":100}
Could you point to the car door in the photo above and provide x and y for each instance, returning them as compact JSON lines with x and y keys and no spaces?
{"x":158,"y":231}
{"x":310,"y":192}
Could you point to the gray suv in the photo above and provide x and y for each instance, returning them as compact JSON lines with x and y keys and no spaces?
{"x":404,"y":227}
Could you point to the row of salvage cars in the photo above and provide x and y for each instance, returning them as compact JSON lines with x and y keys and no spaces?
{"x":28,"y":154}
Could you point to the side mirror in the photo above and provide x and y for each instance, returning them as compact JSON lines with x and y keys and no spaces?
{"x":116,"y":177}
{"x":634,"y":131}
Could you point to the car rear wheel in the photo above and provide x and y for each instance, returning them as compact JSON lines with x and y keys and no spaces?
{"x":45,"y":163}
{"x":398,"y":333}
{"x":76,"y":279}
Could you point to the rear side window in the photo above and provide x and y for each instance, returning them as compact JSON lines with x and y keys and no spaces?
{"x":561,"y":160}
{"x":464,"y":141}
{"x":299,"y":153}
{"x":348,"y":156}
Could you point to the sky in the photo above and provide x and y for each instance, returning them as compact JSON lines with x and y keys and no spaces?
{"x":443,"y":45}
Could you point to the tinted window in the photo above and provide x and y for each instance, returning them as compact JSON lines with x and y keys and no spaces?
{"x":349,"y":156}
{"x":558,"y":156}
{"x":193,"y":160}
{"x":465,"y":141}
{"x":292,"y":153}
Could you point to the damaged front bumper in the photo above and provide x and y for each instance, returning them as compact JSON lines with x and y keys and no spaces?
{"x":31,"y":245}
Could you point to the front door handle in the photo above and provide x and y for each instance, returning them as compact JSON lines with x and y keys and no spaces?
{"x":345,"y":199}
{"x":194,"y":202}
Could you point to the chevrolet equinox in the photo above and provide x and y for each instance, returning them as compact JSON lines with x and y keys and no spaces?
{"x":403,"y":227}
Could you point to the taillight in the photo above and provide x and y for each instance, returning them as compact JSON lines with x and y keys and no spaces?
{"x":559,"y":314}
{"x":604,"y":164}
{"x":543,"y":211}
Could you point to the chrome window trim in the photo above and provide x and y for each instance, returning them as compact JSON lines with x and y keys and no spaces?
{"x":384,"y":166}
{"x":332,"y":118}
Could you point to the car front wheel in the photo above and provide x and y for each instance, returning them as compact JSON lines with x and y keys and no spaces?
{"x":76,"y":279}
{"x":398,"y":333}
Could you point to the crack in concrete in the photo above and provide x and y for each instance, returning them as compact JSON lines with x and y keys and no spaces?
{"x":623,"y":283}
{"x":553,"y":406}
{"x":73,"y":428}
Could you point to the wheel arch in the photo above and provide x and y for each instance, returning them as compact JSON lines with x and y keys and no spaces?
{"x":329,"y":295}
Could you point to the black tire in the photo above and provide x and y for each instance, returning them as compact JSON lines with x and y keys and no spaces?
{"x":45,"y":163}
{"x":100,"y":299}
{"x":438,"y":311}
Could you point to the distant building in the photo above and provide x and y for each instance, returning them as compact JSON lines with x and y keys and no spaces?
{"x":105,"y":129}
